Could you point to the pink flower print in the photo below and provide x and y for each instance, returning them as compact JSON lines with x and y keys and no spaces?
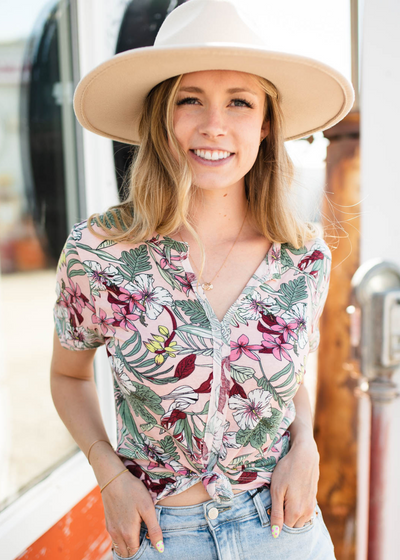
{"x":105,"y":324}
{"x":76,"y":298}
{"x":151,"y":300}
{"x":186,"y":281}
{"x":278,"y":345}
{"x":128,"y":295}
{"x":275,"y":254}
{"x":242,"y":346}
{"x":248,"y":412}
{"x":285,"y":328}
{"x":124,"y":318}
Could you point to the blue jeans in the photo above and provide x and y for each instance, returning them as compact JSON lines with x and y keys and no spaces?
{"x":210,"y":531}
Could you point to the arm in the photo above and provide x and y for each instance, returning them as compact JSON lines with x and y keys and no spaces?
{"x":126,"y":500}
{"x":294,"y":481}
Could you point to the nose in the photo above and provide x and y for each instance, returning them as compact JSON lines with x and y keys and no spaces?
{"x":213,"y":123}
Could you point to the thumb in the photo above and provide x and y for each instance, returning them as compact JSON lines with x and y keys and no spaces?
{"x":276,"y":517}
{"x":154,"y":530}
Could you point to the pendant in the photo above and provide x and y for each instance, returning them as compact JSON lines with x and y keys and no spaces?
{"x":207,"y":286}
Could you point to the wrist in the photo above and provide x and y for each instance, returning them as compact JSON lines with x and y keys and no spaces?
{"x":105,"y":463}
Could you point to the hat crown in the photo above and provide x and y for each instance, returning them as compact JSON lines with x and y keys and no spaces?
{"x":199,"y":22}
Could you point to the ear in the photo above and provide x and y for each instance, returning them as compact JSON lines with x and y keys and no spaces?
{"x":265,"y":129}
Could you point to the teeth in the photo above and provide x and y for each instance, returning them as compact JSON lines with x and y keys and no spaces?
{"x":212,"y":156}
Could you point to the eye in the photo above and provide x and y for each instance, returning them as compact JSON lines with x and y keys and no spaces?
{"x":192,"y":100}
{"x":187,"y":101}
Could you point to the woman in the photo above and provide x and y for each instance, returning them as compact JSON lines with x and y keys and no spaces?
{"x":206,"y":288}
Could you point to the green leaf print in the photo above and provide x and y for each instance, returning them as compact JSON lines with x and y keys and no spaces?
{"x":136,"y":261}
{"x":241,"y":373}
{"x":272,"y":423}
{"x":128,"y":421}
{"x":259,"y":434}
{"x":293,"y":292}
{"x":177,"y":246}
{"x":195,"y":311}
{"x":144,"y":398}
{"x":264,"y":464}
{"x":243,"y":437}
{"x":285,"y":259}
{"x":169,"y":447}
{"x":106,"y":243}
{"x":238,"y":461}
{"x":293,"y":250}
{"x":168,"y":277}
{"x":197,"y":331}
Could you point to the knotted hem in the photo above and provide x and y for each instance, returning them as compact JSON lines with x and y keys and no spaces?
{"x":218,"y":487}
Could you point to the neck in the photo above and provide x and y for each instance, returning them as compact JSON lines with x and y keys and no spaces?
{"x":217,"y":215}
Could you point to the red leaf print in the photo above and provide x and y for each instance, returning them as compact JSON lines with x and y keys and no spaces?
{"x":224,"y":389}
{"x":247,"y":477}
{"x":185,"y":367}
{"x":310,"y":259}
{"x":205,"y":387}
{"x":236,"y":389}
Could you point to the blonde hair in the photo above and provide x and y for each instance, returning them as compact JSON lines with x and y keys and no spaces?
{"x":160,"y":185}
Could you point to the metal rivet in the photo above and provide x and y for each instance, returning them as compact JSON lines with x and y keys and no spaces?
{"x":213,"y":513}
{"x":269,"y":511}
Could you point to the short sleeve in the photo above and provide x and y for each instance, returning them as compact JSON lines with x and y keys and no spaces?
{"x":321,"y":272}
{"x":75,"y":317}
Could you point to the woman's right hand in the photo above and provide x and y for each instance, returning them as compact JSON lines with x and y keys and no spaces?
{"x":126,"y":503}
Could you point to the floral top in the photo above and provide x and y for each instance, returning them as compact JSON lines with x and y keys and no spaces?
{"x":196,"y":399}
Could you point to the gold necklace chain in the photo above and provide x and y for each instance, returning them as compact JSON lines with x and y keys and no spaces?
{"x":208,"y":285}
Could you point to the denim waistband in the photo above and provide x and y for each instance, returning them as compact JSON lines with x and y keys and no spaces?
{"x":254,"y":501}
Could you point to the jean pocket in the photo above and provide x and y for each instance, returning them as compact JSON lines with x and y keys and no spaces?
{"x":308,"y":525}
{"x":143,"y":545}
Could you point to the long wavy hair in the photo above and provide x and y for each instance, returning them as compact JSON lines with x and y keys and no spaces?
{"x":159,"y":186}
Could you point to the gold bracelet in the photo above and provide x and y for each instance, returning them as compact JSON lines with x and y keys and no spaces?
{"x":88,"y":454}
{"x":101,"y":489}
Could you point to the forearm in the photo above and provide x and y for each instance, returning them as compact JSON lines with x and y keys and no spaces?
{"x":302,"y":428}
{"x":78,"y":406}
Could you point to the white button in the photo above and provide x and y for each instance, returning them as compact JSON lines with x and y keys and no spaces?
{"x":213,"y":513}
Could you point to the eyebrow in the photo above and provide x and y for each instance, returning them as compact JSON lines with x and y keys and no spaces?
{"x":193,"y":89}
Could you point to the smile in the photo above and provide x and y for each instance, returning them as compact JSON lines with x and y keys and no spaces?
{"x":211,"y":158}
{"x":212,"y":155}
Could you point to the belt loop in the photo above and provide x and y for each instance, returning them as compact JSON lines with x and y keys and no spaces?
{"x":262,"y":514}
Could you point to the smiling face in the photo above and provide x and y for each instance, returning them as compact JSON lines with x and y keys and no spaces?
{"x":219,"y":123}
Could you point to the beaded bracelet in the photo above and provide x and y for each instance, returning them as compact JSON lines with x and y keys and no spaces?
{"x":101,"y":489}
{"x":90,"y":448}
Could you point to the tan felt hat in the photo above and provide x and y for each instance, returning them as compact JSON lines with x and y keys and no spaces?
{"x":209,"y":35}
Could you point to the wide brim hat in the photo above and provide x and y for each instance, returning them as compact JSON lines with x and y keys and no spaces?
{"x":209,"y":35}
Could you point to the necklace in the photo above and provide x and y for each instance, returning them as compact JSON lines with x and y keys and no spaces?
{"x":208,"y":285}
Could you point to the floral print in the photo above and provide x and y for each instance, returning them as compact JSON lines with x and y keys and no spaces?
{"x":197,"y":399}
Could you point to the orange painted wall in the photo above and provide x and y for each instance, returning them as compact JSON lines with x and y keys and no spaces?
{"x":79,"y":535}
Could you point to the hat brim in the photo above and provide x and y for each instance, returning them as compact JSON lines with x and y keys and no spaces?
{"x":109,"y":99}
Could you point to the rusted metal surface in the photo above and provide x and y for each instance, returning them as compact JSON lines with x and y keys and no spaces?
{"x":335,"y":425}
{"x":79,"y":535}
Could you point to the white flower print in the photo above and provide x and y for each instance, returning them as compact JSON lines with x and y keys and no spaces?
{"x":98,"y":280}
{"x":183,"y":397}
{"x":252,"y":307}
{"x":248,"y":412}
{"x":126,"y":384}
{"x":113,"y":275}
{"x":228,"y":440}
{"x":298,"y":314}
{"x":150,"y":300}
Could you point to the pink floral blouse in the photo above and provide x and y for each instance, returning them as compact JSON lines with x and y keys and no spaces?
{"x":196,"y":399}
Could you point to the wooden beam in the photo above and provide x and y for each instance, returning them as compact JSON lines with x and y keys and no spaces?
{"x":335,"y":423}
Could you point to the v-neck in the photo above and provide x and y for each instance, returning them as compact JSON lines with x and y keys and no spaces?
{"x":269,"y":267}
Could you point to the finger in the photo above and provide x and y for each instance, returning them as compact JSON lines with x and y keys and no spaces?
{"x":276,"y":516}
{"x":153,"y":529}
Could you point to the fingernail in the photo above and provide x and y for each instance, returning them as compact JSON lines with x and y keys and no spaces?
{"x":275,"y":531}
{"x":160,"y":546}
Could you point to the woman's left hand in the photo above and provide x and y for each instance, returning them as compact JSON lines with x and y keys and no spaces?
{"x":294,"y":485}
